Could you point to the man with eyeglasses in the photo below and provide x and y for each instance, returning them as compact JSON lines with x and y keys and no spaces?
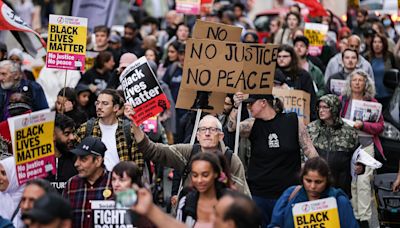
{"x":209,"y":135}
{"x":93,"y":181}
{"x":114,"y":132}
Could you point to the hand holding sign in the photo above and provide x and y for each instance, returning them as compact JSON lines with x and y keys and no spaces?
{"x":144,"y":204}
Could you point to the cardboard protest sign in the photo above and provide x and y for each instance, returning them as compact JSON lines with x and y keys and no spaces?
{"x":142,"y":91}
{"x":105,"y":215}
{"x":32,"y":138}
{"x":296,"y":101}
{"x":216,"y":31}
{"x":316,"y":34}
{"x":212,"y":31}
{"x":229,"y":66}
{"x":66,"y":42}
{"x":316,"y":213}
{"x":188,"y":6}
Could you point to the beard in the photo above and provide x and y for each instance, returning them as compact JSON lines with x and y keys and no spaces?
{"x":7,"y":85}
{"x":62,"y":147}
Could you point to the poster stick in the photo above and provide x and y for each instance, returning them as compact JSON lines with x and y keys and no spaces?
{"x":239,"y":116}
{"x":65,"y":85}
{"x":196,"y":125}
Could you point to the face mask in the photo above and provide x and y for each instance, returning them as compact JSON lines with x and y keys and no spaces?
{"x":386,"y":22}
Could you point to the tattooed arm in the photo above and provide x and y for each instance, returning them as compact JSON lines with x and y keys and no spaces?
{"x":305,"y":141}
{"x":245,"y":125}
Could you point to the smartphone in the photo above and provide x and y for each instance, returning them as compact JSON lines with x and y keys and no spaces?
{"x":126,"y":199}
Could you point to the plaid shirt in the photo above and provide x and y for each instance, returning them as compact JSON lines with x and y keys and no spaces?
{"x":79,"y":192}
{"x":122,"y":147}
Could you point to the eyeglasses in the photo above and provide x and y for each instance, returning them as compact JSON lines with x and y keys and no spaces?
{"x":324,"y":107}
{"x":210,"y":129}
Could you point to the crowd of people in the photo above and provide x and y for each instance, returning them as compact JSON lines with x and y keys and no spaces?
{"x":282,"y":160}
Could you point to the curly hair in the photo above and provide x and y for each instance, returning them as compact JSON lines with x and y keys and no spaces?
{"x":369,"y":90}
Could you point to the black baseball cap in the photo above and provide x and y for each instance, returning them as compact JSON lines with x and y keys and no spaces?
{"x":48,"y":208}
{"x":90,"y":145}
{"x":301,"y":39}
{"x":253,"y":97}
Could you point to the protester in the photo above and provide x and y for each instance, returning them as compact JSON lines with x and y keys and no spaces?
{"x":10,"y":191}
{"x":67,"y":104}
{"x":315,"y":184}
{"x":17,"y":56}
{"x":50,"y":210}
{"x":336,"y":65}
{"x":85,"y":100}
{"x":362,"y":22}
{"x":124,"y":175}
{"x":98,"y":76}
{"x":381,"y":59}
{"x":210,"y":177}
{"x":301,"y":45}
{"x":114,"y":132}
{"x":64,"y":141}
{"x":34,"y":189}
{"x":125,"y":60}
{"x":130,"y":41}
{"x":294,"y":76}
{"x":150,"y":26}
{"x":19,"y":104}
{"x":359,"y":86}
{"x":349,"y":58}
{"x":209,"y":134}
{"x":11,"y":82}
{"x":93,"y":181}
{"x":276,"y":139}
{"x":334,"y":140}
{"x":292,"y":22}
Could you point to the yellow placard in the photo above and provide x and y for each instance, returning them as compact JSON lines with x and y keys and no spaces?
{"x":34,"y":142}
{"x":66,"y":39}
{"x":316,"y":213}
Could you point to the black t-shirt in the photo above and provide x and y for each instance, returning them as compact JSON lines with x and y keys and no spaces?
{"x":275,"y":155}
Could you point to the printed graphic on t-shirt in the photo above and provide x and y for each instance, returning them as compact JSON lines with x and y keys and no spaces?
{"x":273,"y":141}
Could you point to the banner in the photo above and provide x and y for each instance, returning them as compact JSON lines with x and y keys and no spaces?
{"x":365,"y":111}
{"x":229,"y":67}
{"x":66,"y":43}
{"x":296,"y":101}
{"x":316,"y":34}
{"x":98,"y":12}
{"x":316,"y":213}
{"x":30,"y":40}
{"x":142,"y":91}
{"x":213,"y":31}
{"x":188,"y":6}
{"x":105,"y":215}
{"x":32,"y":140}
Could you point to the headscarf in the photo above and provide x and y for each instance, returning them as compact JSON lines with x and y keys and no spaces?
{"x":11,"y":197}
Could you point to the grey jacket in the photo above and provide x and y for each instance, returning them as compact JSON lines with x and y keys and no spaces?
{"x":178,"y":155}
{"x":335,"y":65}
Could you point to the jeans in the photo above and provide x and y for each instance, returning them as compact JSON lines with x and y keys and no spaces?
{"x":266,"y":206}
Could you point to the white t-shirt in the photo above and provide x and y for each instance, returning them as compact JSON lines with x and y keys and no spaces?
{"x":108,"y":133}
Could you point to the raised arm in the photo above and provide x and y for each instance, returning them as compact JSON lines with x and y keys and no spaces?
{"x":245,"y":125}
{"x":305,"y":141}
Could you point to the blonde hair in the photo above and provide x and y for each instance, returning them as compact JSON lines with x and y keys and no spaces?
{"x":369,"y":90}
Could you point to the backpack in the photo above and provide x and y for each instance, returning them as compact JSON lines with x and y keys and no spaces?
{"x":126,"y":127}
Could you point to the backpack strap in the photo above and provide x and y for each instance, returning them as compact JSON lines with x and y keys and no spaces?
{"x":228,"y":156}
{"x":90,"y":126}
{"x":126,"y":127}
{"x":294,"y":193}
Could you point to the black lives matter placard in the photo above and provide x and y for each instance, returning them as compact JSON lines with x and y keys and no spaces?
{"x":229,"y":67}
{"x":142,"y":91}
